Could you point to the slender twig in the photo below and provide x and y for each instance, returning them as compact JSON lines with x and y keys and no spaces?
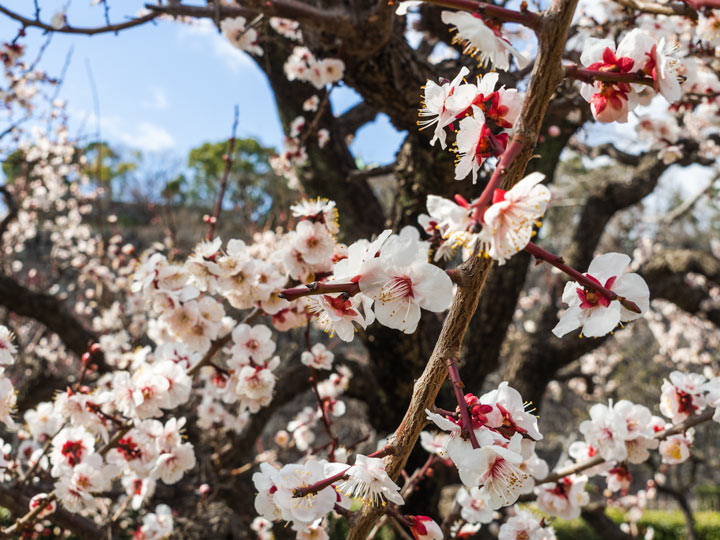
{"x":558,"y":262}
{"x":458,"y":386}
{"x":523,"y":17}
{"x":660,"y":435}
{"x":342,"y":475}
{"x":349,"y":288}
{"x":590,"y":75}
{"x":513,"y":150}
{"x":212,"y":222}
{"x":37,"y":23}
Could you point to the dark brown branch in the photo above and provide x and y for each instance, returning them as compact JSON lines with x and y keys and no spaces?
{"x":524,"y":17}
{"x":676,"y":8}
{"x":356,"y":117}
{"x":52,"y":312}
{"x":332,"y":20}
{"x":37,"y":23}
{"x":17,"y":503}
{"x":12,"y":210}
{"x":667,"y":271}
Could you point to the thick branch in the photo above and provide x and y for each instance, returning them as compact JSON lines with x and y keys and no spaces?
{"x":676,"y":8}
{"x":667,"y":271}
{"x":331,"y":20}
{"x":51,"y":312}
{"x":524,"y":17}
{"x":356,"y":117}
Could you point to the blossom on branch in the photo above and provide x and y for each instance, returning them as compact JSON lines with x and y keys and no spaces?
{"x":590,"y":310}
{"x":483,"y":39}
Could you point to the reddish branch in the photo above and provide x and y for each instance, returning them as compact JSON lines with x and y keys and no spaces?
{"x":512,"y":152}
{"x":350,"y":288}
{"x":37,"y":23}
{"x":212,"y":222}
{"x":458,"y":386}
{"x":342,"y":475}
{"x":559,"y":263}
{"x":590,"y":75}
{"x":523,"y":17}
{"x":331,"y":19}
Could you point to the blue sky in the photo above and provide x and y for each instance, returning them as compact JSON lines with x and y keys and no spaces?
{"x":167,"y":87}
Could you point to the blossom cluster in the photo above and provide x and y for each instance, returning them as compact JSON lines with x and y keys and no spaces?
{"x":502,"y":465}
{"x":483,"y":115}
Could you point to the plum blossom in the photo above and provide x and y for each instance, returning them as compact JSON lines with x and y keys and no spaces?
{"x":156,"y":525}
{"x":7,"y":349}
{"x":76,"y":488}
{"x":610,"y":102}
{"x":401,"y":282}
{"x":367,"y":480}
{"x":509,"y":221}
{"x":593,"y":312}
{"x":240,"y":36}
{"x":437,"y":104}
{"x":606,"y":432}
{"x":483,"y":39}
{"x":425,"y":528}
{"x":509,"y":411}
{"x":676,"y":448}
{"x":525,"y":526}
{"x":318,"y":357}
{"x":495,"y":467}
{"x":300,"y":510}
{"x":682,"y":395}
{"x":473,"y":505}
{"x":475,"y":143}
{"x":8,"y":399}
{"x":565,"y":498}
{"x":251,"y":343}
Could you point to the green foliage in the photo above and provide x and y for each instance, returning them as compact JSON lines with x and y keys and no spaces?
{"x":106,"y":167}
{"x":252,"y":188}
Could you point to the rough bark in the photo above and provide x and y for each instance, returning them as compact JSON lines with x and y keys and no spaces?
{"x":51,"y":312}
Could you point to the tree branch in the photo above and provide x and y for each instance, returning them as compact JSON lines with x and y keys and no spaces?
{"x":51,"y":312}
{"x":332,"y":20}
{"x":37,"y":23}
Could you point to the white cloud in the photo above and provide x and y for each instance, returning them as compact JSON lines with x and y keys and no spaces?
{"x":145,"y":136}
{"x":203,"y":32}
{"x":157,"y":99}
{"x":138,"y":135}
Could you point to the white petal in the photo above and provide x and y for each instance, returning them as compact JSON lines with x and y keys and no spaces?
{"x":602,"y":320}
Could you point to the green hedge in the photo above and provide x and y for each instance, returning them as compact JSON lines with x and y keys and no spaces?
{"x":667,"y":525}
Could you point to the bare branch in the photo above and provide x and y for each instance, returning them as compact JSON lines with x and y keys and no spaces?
{"x":676,"y":8}
{"x":37,"y":23}
{"x":333,"y":20}
{"x":661,"y":435}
